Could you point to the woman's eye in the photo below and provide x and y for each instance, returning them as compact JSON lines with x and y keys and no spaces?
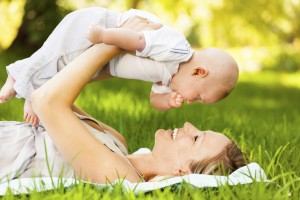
{"x":196,"y":137}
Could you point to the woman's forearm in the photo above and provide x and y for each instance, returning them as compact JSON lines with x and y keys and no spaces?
{"x":53,"y":104}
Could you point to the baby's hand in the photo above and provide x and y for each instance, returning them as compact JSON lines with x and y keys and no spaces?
{"x":175,"y":100}
{"x":95,"y":34}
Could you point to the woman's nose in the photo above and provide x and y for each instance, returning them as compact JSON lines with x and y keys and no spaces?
{"x":187,"y":126}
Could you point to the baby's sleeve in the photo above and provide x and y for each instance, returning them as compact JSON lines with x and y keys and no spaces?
{"x":165,"y":45}
{"x":156,"y":88}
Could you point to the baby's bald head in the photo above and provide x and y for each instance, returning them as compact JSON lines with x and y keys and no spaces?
{"x":222,"y":68}
{"x":208,"y":77}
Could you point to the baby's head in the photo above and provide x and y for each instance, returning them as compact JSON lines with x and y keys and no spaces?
{"x":208,"y":77}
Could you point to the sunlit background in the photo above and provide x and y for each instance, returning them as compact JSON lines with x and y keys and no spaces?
{"x":261,"y":34}
{"x":261,"y":114}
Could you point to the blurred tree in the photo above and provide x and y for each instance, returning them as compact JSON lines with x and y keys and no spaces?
{"x":11,"y":13}
{"x":39,"y":19}
{"x":257,"y":22}
{"x":271,"y":26}
{"x":133,"y":3}
{"x":267,"y":26}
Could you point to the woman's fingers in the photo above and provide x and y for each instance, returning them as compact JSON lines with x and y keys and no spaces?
{"x":140,"y":24}
{"x":132,"y":22}
{"x":155,"y":26}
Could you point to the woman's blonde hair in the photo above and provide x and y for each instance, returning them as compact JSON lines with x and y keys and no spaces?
{"x":226,"y":162}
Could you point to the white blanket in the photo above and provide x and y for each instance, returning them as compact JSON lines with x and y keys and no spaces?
{"x":245,"y":175}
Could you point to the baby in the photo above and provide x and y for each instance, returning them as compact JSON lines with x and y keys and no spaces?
{"x":205,"y":76}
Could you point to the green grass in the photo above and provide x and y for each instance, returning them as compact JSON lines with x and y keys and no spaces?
{"x":261,"y":114}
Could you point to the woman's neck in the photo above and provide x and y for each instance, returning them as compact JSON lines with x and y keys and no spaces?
{"x":144,"y":164}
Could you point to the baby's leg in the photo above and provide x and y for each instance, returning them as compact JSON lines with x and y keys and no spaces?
{"x":29,"y":114}
{"x":7,"y":91}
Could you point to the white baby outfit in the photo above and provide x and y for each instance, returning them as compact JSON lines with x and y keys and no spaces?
{"x":166,"y":47}
{"x":68,"y":40}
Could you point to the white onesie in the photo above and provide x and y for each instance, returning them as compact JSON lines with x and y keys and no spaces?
{"x":165,"y":45}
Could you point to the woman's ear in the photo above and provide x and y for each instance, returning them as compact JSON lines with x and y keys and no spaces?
{"x":201,"y":71}
{"x":181,"y":172}
{"x":177,"y":172}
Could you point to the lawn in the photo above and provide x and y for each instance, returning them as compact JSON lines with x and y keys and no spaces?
{"x":261,"y":114}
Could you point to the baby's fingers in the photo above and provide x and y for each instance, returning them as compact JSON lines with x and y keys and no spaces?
{"x":179,"y":102}
{"x":179,"y":98}
{"x":173,"y":95}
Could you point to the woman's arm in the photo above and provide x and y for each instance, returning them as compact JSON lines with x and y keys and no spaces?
{"x":53,"y":101}
{"x":103,"y":126}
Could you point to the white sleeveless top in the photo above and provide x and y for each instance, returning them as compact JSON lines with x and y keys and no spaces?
{"x":24,"y":155}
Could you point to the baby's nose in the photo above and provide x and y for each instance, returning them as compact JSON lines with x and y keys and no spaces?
{"x":189,"y":101}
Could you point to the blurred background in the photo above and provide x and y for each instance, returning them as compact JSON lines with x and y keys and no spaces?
{"x":261,"y":34}
{"x":261,"y":114}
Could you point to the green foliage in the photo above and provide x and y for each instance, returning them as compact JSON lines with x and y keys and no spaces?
{"x":287,"y":60}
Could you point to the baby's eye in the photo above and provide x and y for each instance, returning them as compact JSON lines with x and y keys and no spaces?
{"x":195,"y":138}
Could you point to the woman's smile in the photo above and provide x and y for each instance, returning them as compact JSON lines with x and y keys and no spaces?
{"x":174,"y":134}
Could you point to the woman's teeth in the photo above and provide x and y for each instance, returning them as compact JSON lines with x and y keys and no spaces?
{"x":174,"y":134}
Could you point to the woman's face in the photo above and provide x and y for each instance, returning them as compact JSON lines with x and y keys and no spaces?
{"x":177,"y":150}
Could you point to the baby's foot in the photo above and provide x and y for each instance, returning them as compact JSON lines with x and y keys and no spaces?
{"x":29,"y":114}
{"x":7,"y":91}
{"x":95,"y":34}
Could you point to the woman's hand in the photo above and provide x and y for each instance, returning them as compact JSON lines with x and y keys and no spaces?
{"x":140,"y":24}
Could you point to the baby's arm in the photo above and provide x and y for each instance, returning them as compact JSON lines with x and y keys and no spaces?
{"x":166,"y":101}
{"x":124,"y":38}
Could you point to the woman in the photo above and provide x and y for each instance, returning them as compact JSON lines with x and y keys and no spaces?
{"x":76,"y":143}
{"x":95,"y":151}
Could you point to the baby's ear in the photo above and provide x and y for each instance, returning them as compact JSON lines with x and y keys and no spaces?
{"x":201,"y":71}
